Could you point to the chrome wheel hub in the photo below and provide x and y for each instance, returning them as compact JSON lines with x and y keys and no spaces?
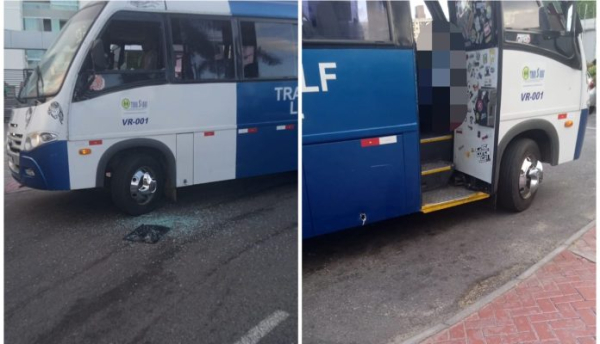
{"x":530,"y":177}
{"x":143,"y":185}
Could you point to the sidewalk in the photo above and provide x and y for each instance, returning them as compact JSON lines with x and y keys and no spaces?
{"x":557,"y":304}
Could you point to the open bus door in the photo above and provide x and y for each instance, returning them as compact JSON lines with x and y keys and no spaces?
{"x":524,"y":93}
{"x":458,"y":102}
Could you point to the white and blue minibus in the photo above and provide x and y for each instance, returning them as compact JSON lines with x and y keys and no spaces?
{"x":142,"y":97}
{"x":384,"y":132}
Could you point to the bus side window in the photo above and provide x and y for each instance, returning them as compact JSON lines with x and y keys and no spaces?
{"x":269,"y":50}
{"x":346,"y":20}
{"x":202,"y":49}
{"x":546,"y":26}
{"x":134,"y":52}
{"x":134,"y":45}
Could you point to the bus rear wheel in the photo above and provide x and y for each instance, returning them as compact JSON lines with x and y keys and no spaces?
{"x":138,"y":184}
{"x":521,"y":174}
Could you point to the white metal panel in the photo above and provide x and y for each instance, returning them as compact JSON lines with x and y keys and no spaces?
{"x":214,"y":156}
{"x":561,"y":86}
{"x":185,"y":159}
{"x":83,"y":168}
{"x":474,"y":143}
{"x":169,"y":109}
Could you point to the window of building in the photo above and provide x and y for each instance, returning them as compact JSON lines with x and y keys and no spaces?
{"x":47,"y":25}
{"x":202,"y":49}
{"x":61,"y":23}
{"x":269,"y":50}
{"x":32,"y":24}
{"x":346,"y":20}
{"x":33,"y":57}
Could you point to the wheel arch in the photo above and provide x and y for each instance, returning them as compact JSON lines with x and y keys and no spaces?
{"x":540,"y":131}
{"x":151,"y":145}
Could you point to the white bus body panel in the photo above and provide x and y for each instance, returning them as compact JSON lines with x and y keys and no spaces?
{"x":185,"y":159}
{"x":166,"y":111}
{"x":87,"y":165}
{"x":562,"y":94}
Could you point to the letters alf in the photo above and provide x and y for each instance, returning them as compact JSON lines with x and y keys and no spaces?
{"x":324,"y":76}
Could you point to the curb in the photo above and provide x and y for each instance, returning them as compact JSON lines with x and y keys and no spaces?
{"x":493,"y":295}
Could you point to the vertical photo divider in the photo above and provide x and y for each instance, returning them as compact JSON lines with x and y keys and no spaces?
{"x":300,"y":130}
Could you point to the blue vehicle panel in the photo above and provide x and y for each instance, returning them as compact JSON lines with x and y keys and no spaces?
{"x":363,"y":100}
{"x":581,"y":132}
{"x":50,"y":165}
{"x":268,"y":114}
{"x":273,"y":9}
{"x":360,"y":138}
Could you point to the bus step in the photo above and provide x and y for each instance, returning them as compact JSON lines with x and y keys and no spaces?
{"x":435,"y":174}
{"x":449,"y":197}
{"x":436,"y":148}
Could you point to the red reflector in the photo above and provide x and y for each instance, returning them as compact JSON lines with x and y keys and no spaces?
{"x":252,"y":130}
{"x":562,"y":115}
{"x":209,"y":133}
{"x":95,"y":142}
{"x":289,"y":127}
{"x":369,"y":142}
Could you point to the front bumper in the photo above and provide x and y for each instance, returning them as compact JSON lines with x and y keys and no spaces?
{"x":44,"y":168}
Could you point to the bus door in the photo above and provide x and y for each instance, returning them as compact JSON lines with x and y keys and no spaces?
{"x":360,"y":130}
{"x":457,"y":62}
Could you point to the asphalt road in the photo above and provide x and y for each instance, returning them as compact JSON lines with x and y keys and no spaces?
{"x":392,"y":280}
{"x":228,"y":265}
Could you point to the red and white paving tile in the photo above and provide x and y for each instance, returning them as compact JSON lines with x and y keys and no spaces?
{"x":557,"y":304}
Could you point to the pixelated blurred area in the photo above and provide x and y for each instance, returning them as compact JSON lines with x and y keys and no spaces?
{"x":442,"y":77}
{"x":452,"y":79}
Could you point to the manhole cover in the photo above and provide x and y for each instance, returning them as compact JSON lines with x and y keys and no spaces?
{"x":149,"y":234}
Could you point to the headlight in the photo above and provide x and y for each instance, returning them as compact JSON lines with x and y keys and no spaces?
{"x":37,"y":139}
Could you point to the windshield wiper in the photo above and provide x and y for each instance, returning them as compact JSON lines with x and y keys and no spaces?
{"x":38,"y":70}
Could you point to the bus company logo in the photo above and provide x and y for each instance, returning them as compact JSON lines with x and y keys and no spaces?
{"x":533,"y":74}
{"x":126,"y":103}
{"x":134,"y":106}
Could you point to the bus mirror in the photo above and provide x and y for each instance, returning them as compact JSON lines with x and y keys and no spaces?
{"x":98,"y":57}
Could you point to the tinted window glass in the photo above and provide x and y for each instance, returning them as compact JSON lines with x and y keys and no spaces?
{"x":133,"y":45}
{"x":269,"y":50}
{"x":346,"y":20}
{"x":547,"y":26}
{"x":202,"y":49}
{"x":134,"y":55}
{"x":528,"y":15}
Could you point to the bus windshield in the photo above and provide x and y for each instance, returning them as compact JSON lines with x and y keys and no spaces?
{"x":48,"y":76}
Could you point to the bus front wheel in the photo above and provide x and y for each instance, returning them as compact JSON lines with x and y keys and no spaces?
{"x":521,"y":174}
{"x":138,"y":184}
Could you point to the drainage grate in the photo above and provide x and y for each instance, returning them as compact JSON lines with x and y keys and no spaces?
{"x":149,"y":234}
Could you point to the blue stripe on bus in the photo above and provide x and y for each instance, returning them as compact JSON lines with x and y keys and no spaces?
{"x":581,"y":132}
{"x":264,"y":149}
{"x":272,"y":9}
{"x":50,"y":165}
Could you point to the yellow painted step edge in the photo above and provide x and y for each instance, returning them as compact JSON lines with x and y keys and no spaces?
{"x":436,"y":139}
{"x":436,"y":170}
{"x":429,"y":208}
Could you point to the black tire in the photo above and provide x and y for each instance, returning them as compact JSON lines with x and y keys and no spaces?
{"x":509,"y":196}
{"x":122,"y":178}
